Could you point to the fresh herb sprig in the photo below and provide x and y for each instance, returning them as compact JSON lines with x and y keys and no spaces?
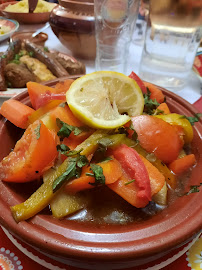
{"x":150,"y":105}
{"x":193,"y":119}
{"x":97,"y":174}
{"x":73,"y":170}
{"x":193,"y":189}
{"x":66,"y":129}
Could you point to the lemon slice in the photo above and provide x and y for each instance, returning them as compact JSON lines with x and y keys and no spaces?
{"x":105,"y":99}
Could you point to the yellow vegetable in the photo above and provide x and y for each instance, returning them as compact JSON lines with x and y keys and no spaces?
{"x":177,"y":119}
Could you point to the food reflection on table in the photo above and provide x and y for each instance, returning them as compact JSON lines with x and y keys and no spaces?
{"x":25,"y":61}
{"x":99,"y":152}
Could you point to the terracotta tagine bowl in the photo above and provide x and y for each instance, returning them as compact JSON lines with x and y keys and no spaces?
{"x":135,"y":245}
{"x":73,"y":23}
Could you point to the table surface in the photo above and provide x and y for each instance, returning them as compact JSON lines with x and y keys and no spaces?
{"x":191,"y":92}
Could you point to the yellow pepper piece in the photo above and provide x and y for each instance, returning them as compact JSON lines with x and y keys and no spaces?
{"x":43,"y":110}
{"x":44,"y":194}
{"x":177,"y":119}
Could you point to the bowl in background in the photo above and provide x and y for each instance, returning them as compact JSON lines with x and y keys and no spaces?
{"x":90,"y":246}
{"x":40,"y":39}
{"x":25,"y":18}
{"x":73,"y":23}
{"x":12,"y":26}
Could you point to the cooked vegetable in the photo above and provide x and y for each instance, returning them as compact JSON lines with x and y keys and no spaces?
{"x":16,"y":112}
{"x":156,"y":93}
{"x":181,"y":165}
{"x":134,"y":168}
{"x":52,"y":64}
{"x":30,"y":157}
{"x":111,"y":170}
{"x":177,"y":119}
{"x":164,"y":108}
{"x":158,"y":137}
{"x":40,"y":94}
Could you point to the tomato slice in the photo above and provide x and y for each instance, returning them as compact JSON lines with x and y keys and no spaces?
{"x":134,"y":184}
{"x":134,"y":76}
{"x":158,"y":137}
{"x":33,"y":153}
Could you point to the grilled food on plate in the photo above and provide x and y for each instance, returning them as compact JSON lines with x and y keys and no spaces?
{"x":25,"y":61}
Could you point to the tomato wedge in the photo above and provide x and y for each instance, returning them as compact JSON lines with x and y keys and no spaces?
{"x":158,"y":137}
{"x":134,"y":184}
{"x":33,"y":153}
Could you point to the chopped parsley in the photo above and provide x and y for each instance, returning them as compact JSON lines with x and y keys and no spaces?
{"x":73,"y":171}
{"x":98,"y":174}
{"x":4,"y":56}
{"x":193,"y":189}
{"x":65,"y":129}
{"x":193,"y":119}
{"x":46,"y":49}
{"x":150,"y":105}
{"x":128,"y":183}
{"x":31,"y":54}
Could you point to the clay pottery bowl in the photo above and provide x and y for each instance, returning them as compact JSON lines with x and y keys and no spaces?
{"x":73,"y":23}
{"x":135,"y":245}
{"x":24,"y":18}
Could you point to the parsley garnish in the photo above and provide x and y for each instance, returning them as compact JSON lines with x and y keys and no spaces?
{"x":193,"y":119}
{"x":31,"y":54}
{"x":65,"y":129}
{"x":128,"y":183}
{"x":98,"y":174}
{"x":4,"y":56}
{"x":37,"y":131}
{"x":193,"y":189}
{"x":150,"y":105}
{"x":73,"y":171}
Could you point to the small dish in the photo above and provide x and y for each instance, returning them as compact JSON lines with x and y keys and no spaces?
{"x":40,"y":39}
{"x":10,"y":27}
{"x":26,"y":18}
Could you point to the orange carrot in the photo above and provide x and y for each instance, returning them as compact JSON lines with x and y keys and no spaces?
{"x":180,"y":165}
{"x":111,"y":170}
{"x":16,"y":112}
{"x":156,"y":178}
{"x":156,"y":93}
{"x":164,"y":107}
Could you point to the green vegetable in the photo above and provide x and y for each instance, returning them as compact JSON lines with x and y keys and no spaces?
{"x":193,"y":189}
{"x":150,"y":105}
{"x":193,"y":119}
{"x":65,"y":129}
{"x":98,"y":174}
{"x":73,"y":170}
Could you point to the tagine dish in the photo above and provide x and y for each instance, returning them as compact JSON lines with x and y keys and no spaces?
{"x":108,"y":154}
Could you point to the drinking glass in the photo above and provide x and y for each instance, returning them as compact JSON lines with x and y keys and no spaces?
{"x":114,"y":24}
{"x":172,"y":37}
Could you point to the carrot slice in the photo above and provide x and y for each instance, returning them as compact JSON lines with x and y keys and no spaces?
{"x":16,"y":112}
{"x":111,"y":170}
{"x":164,"y":107}
{"x":180,"y":165}
{"x":156,"y":93}
{"x":156,"y":178}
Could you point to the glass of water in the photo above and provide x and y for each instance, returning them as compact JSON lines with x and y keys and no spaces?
{"x":114,"y":24}
{"x":172,"y":38}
